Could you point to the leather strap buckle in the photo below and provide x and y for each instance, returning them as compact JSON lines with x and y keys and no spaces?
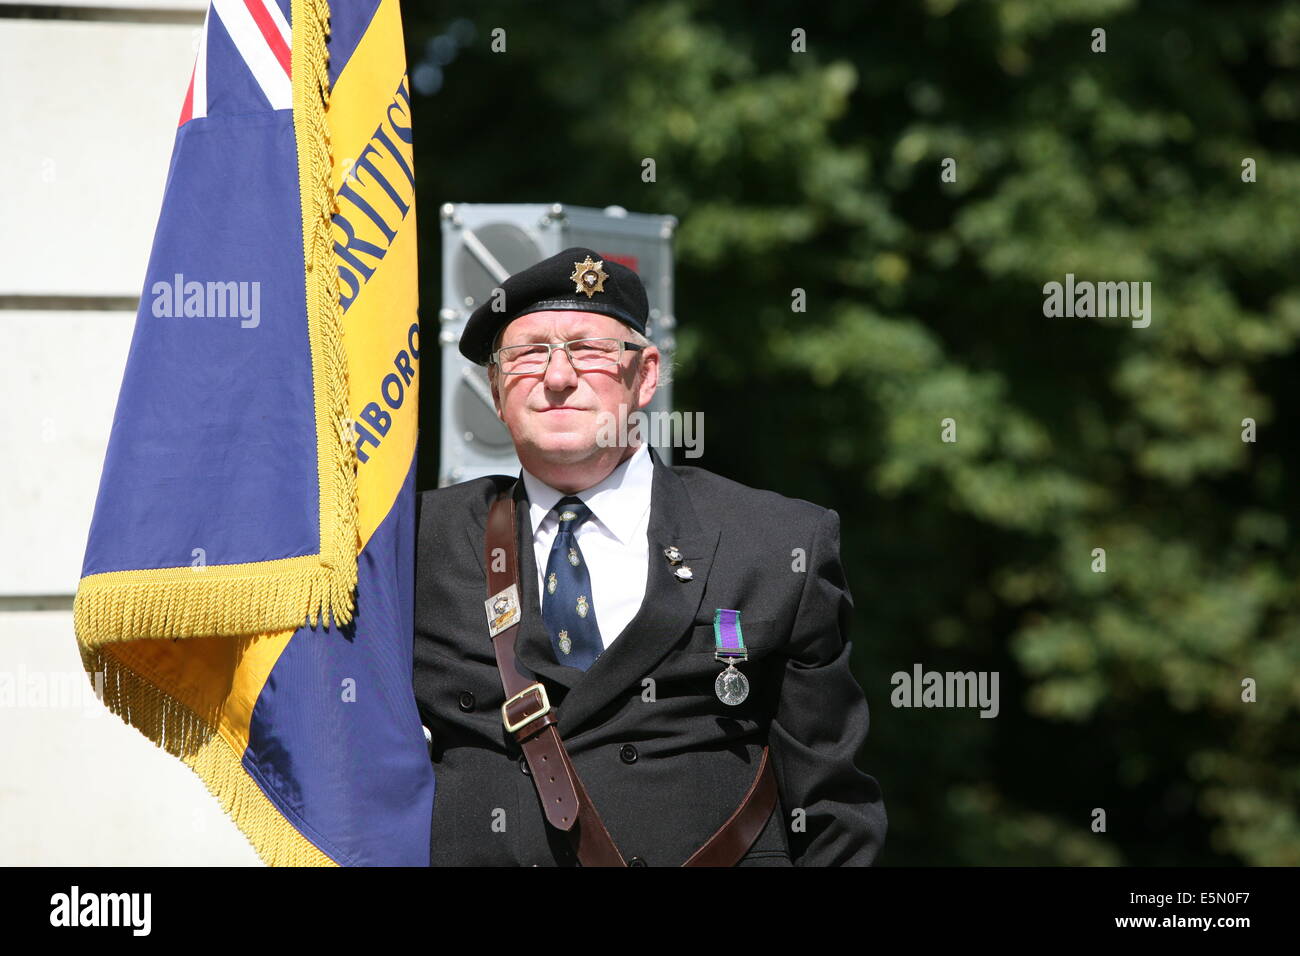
{"x":514,"y":726}
{"x":566,"y":803}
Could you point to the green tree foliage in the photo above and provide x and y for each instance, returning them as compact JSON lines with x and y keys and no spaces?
{"x":1121,"y":690}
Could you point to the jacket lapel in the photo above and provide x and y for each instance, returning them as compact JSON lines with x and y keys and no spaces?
{"x":667,"y":610}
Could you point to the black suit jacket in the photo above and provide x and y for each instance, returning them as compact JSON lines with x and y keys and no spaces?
{"x":664,"y":761}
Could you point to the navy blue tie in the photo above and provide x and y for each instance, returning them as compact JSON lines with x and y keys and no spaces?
{"x":567,"y":607}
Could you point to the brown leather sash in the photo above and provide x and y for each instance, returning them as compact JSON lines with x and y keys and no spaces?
{"x":527,"y":714}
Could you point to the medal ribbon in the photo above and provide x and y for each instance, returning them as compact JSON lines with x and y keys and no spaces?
{"x":728,"y":641}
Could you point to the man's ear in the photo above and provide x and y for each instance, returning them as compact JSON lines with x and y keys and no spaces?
{"x":494,"y":378}
{"x":647,"y":376}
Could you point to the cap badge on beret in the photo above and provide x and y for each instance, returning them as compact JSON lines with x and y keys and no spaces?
{"x":589,"y":277}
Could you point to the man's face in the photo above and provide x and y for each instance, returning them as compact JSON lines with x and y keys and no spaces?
{"x":559,"y":414}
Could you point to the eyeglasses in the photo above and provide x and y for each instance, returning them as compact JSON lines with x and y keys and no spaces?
{"x":585,"y":355}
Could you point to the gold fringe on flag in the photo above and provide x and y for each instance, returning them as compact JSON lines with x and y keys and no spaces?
{"x":195,"y":741}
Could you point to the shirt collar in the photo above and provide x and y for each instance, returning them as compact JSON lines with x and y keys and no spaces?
{"x":618,"y":502}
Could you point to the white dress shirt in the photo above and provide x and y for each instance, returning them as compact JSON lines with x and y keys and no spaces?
{"x":613,"y":540}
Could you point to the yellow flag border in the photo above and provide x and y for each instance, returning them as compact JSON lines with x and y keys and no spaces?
{"x":282,"y":594}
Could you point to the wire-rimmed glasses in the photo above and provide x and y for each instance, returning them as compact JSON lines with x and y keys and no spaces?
{"x":585,"y":355}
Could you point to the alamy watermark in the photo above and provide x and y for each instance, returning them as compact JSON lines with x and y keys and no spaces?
{"x":75,"y":908}
{"x":56,"y":690}
{"x":1086,"y":300}
{"x":922,"y":688}
{"x":191,"y":299}
{"x":683,"y":430}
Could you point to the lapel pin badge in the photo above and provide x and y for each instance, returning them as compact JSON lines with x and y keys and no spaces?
{"x":683,"y":572}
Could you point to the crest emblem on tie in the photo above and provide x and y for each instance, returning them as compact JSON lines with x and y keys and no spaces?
{"x":582,"y":607}
{"x":573,"y":557}
{"x":589,"y":277}
{"x":566,"y":645}
{"x":567,"y":516}
{"x":550,"y":583}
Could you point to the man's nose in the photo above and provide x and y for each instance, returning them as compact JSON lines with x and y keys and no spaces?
{"x":560,"y":374}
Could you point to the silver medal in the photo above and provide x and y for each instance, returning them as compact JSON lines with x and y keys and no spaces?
{"x":732,"y":687}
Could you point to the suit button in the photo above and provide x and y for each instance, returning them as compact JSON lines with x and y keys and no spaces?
{"x":523,"y":766}
{"x":466,"y":701}
{"x":637,"y":861}
{"x":627,"y":753}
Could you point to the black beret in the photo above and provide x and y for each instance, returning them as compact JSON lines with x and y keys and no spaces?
{"x":576,"y":279}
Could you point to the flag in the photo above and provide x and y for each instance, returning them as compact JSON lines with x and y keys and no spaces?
{"x":247,"y":590}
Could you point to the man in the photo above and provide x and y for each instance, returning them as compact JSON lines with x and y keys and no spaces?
{"x":638,"y":585}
